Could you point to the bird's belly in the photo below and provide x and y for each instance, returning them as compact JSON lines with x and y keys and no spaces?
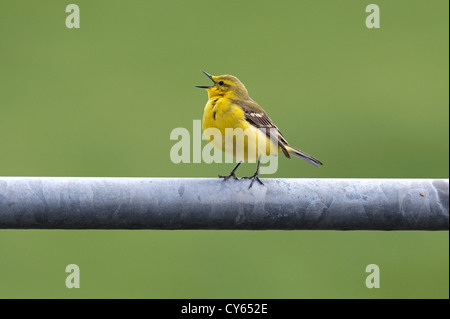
{"x":249,"y":145}
{"x":242,"y":140}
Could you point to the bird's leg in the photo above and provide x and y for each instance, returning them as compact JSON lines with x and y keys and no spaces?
{"x":232,"y":173}
{"x":255,"y":176}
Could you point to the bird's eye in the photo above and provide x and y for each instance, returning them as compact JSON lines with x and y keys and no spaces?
{"x":221,"y":83}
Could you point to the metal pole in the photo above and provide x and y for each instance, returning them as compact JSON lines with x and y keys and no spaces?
{"x":206,"y":203}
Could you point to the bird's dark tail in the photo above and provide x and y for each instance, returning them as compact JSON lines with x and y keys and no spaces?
{"x":306,"y":157}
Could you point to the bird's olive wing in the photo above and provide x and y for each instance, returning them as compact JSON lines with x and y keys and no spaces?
{"x":261,"y":121}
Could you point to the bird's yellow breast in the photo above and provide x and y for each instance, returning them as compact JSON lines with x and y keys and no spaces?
{"x":222,"y":113}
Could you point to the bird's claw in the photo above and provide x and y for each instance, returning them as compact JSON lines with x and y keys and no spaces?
{"x":253,"y":178}
{"x":229,"y":176}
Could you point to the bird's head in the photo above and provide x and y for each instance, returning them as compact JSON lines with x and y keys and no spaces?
{"x":225,"y":86}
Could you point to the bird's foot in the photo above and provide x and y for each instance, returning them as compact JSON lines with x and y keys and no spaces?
{"x":229,"y":176}
{"x":253,"y":178}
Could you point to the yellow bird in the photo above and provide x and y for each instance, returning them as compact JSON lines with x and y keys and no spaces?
{"x":230,"y":106}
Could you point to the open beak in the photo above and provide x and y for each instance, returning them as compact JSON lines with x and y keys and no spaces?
{"x":204,"y":86}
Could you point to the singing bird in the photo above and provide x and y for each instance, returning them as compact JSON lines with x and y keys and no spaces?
{"x":230,"y":106}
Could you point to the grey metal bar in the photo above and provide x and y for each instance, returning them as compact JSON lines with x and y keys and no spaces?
{"x":210,"y":203}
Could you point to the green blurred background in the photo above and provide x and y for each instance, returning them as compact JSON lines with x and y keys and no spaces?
{"x":102,"y":100}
